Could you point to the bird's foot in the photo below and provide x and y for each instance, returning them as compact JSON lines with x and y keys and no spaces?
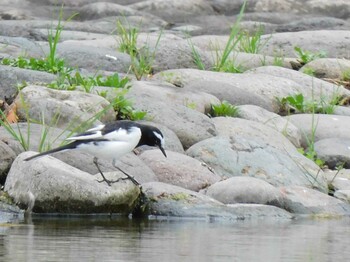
{"x":110,"y":182}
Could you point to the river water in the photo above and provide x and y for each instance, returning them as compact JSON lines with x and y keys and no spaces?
{"x":122,"y":239}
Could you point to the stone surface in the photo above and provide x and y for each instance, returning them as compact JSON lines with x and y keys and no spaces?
{"x":301,"y":200}
{"x":248,"y":190}
{"x":169,"y":200}
{"x":334,"y":151}
{"x":275,"y":121}
{"x":323,"y":126}
{"x":329,"y":67}
{"x":11,"y":76}
{"x":66,"y":109}
{"x":48,"y":185}
{"x":179,"y":170}
{"x":189,"y":125}
{"x":7,"y":156}
{"x":331,"y":41}
{"x":170,"y":94}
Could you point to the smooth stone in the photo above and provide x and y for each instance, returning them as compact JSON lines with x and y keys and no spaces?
{"x":65,"y":109}
{"x":321,"y":126}
{"x":179,"y":170}
{"x":172,"y":201}
{"x":333,"y":68}
{"x":272,"y":120}
{"x":334,"y":151}
{"x":189,"y":125}
{"x":7,"y":156}
{"x":302,"y":200}
{"x":243,"y":189}
{"x":10,"y":77}
{"x":333,"y":42}
{"x":48,"y":185}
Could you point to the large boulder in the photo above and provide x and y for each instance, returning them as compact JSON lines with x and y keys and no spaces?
{"x":168,"y":200}
{"x":48,"y":185}
{"x":65,"y":109}
{"x":179,"y":170}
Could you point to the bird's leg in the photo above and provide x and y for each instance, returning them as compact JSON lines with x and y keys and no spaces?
{"x":109,"y":182}
{"x":128,"y":176}
{"x":99,"y":170}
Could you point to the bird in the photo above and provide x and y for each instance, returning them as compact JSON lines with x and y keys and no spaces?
{"x":111,"y":141}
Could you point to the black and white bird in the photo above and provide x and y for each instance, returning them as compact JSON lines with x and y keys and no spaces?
{"x":112,"y":141}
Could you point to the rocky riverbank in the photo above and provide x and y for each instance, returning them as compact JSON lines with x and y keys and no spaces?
{"x":264,"y":162}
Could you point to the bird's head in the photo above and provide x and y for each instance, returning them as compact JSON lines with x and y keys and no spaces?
{"x":152,"y":136}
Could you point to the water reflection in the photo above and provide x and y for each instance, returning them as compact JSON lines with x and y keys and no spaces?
{"x":121,"y":239}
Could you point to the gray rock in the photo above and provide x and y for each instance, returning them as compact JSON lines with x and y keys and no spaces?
{"x":177,"y":54}
{"x":48,"y":185}
{"x":170,"y":94}
{"x":343,"y":195}
{"x":272,"y":120}
{"x":189,"y":125}
{"x":334,"y":151}
{"x":7,"y":156}
{"x":21,"y":45}
{"x":241,"y":156}
{"x":321,"y":126}
{"x":179,"y":170}
{"x":333,"y":42}
{"x":174,"y":11}
{"x":129,"y":163}
{"x":262,"y":86}
{"x":328,"y":67}
{"x":248,"y":190}
{"x":341,"y":110}
{"x":31,"y":136}
{"x":93,"y":59}
{"x":312,"y":88}
{"x":10,"y":77}
{"x":245,"y":61}
{"x":305,"y":23}
{"x":169,"y":200}
{"x":301,"y":200}
{"x":10,"y":213}
{"x":65,"y":109}
{"x":340,"y":183}
{"x":253,"y":130}
{"x":102,"y":9}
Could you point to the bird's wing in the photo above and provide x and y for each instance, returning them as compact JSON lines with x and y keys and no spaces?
{"x":121,"y":131}
{"x":93,"y":133}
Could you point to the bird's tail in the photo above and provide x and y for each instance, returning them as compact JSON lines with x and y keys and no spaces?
{"x":58,"y":149}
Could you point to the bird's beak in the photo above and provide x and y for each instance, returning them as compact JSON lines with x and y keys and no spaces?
{"x":163,"y":151}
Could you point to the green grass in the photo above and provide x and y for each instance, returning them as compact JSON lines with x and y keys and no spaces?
{"x":224,"y":109}
{"x":298,"y":104}
{"x":252,"y":42}
{"x":142,"y":58}
{"x":239,"y":40}
{"x":305,"y":56}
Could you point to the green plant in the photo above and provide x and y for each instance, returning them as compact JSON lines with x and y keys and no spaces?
{"x":310,"y":152}
{"x":298,"y":104}
{"x":196,"y":56}
{"x":278,"y":59}
{"x":305,"y":56}
{"x":345,"y":75}
{"x":51,"y":63}
{"x":309,"y":71}
{"x":224,"y":109}
{"x":252,"y":42}
{"x":124,"y":108}
{"x":222,"y":61}
{"x":141,"y":58}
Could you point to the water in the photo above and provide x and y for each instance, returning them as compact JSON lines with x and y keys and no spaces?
{"x":104,"y":239}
